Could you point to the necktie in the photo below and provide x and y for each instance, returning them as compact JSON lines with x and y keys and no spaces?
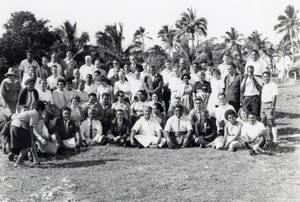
{"x":91,"y":130}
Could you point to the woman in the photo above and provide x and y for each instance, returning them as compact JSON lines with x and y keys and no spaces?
{"x":217,"y":85}
{"x":121,"y":104}
{"x":155,"y":99}
{"x":76,"y":111}
{"x":157,"y":113}
{"x":185,"y":92}
{"x":232,"y":132}
{"x":45,"y":94}
{"x":137,"y":106}
{"x":21,"y":131}
{"x":242,"y":116}
{"x":9,"y":90}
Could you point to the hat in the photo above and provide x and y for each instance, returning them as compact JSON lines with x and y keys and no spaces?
{"x":11,"y":72}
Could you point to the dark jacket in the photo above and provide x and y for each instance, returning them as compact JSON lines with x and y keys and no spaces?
{"x":123,"y":130}
{"x":59,"y":129}
{"x":211,"y":130}
{"x":23,"y":96}
{"x":233,"y":90}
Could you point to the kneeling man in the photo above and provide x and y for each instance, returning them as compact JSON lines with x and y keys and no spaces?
{"x":147,"y":131}
{"x":178,"y":129}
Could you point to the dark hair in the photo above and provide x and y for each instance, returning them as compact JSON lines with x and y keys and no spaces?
{"x":92,"y":94}
{"x":43,"y":79}
{"x":250,"y":66}
{"x":119,"y":110}
{"x":221,"y":93}
{"x":159,"y":106}
{"x":118,"y":93}
{"x":198,"y":99}
{"x":267,"y":72}
{"x":256,"y":51}
{"x":215,"y":70}
{"x":29,"y":51}
{"x":40,"y":105}
{"x":232,"y":64}
{"x":104,"y":94}
{"x":89,"y":75}
{"x":229,"y":112}
{"x":252,"y":113}
{"x":178,"y":106}
{"x":189,"y":77}
{"x":98,"y":72}
{"x":61,"y":80}
{"x":30,"y":80}
{"x":76,"y":97}
{"x":65,"y":109}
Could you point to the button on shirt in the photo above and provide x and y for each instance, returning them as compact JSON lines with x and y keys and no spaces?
{"x":144,"y":127}
{"x":175,"y":124}
{"x":269,"y":91}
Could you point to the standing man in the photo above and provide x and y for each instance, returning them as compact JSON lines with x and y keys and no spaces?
{"x":25,"y":66}
{"x":134,"y":65}
{"x":43,"y":71}
{"x":268,"y":102}
{"x":69,"y":64}
{"x":233,"y":83}
{"x":224,"y":66}
{"x":54,"y":61}
{"x":251,"y":87}
{"x":259,"y":65}
{"x":87,"y":68}
{"x":155,"y":82}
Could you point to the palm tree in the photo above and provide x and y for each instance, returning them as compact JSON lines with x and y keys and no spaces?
{"x":290,"y":25}
{"x":190,"y":26}
{"x":233,"y":41}
{"x":259,"y":44}
{"x":82,"y":40}
{"x":139,"y":37}
{"x":167,"y":35}
{"x":70,"y":34}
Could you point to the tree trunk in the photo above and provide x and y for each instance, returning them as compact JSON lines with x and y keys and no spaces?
{"x":293,"y":51}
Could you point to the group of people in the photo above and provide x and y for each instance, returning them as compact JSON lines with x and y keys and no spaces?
{"x":59,"y":106}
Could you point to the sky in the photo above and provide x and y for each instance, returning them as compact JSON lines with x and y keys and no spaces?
{"x":92,"y":15}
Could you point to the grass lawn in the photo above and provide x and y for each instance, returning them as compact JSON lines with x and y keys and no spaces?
{"x":107,"y":173}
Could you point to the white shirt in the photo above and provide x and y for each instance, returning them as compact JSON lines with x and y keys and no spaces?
{"x":269,"y":91}
{"x":136,"y":85}
{"x":175,"y":124}
{"x":122,"y":86}
{"x":224,"y":70}
{"x":45,"y":96}
{"x":166,"y":74}
{"x":174,"y":84}
{"x":24,"y":66}
{"x":85,"y":70}
{"x":144,"y":127}
{"x":259,"y":66}
{"x":91,"y":89}
{"x":52,"y":82}
{"x":85,"y":128}
{"x":59,"y":67}
{"x":4,"y":113}
{"x":251,"y":131}
{"x":250,"y":88}
{"x":129,"y":76}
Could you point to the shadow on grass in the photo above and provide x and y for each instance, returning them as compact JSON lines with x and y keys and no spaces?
{"x":287,"y":115}
{"x":285,"y":131}
{"x":76,"y":164}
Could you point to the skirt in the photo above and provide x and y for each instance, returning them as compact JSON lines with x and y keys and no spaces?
{"x":20,"y":138}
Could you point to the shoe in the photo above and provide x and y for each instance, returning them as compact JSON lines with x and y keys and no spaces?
{"x":11,"y":157}
{"x":252,"y":152}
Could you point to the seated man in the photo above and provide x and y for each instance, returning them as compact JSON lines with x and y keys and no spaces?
{"x":107,"y":114}
{"x":254,"y":135}
{"x":66,"y":131}
{"x":195,"y":114}
{"x":220,"y":113}
{"x":205,"y":130}
{"x":92,"y":103}
{"x":147,"y":131}
{"x":178,"y":129}
{"x":119,"y":130}
{"x":91,"y":130}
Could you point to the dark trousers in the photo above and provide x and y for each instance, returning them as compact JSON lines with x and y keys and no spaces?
{"x":252,"y":104}
{"x":166,"y":97}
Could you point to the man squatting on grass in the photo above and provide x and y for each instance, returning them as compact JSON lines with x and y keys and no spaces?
{"x":93,"y":106}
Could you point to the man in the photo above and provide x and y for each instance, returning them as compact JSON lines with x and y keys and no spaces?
{"x":54,"y":61}
{"x":123,"y":85}
{"x":259,"y":65}
{"x":25,"y":65}
{"x":194,"y":72}
{"x":59,"y":98}
{"x":171,"y":110}
{"x":87,"y":68}
{"x":251,"y":87}
{"x":178,"y":130}
{"x":205,"y":130}
{"x":28,"y":95}
{"x":114,"y":78}
{"x":136,"y":84}
{"x":91,"y":130}
{"x":92,"y":103}
{"x":232,"y":88}
{"x":154,"y":82}
{"x":115,"y":65}
{"x":90,"y":86}
{"x":43,"y":71}
{"x":134,"y":65}
{"x":69,"y":64}
{"x":174,"y":84}
{"x":66,"y":131}
{"x":98,"y":66}
{"x":202,"y":89}
{"x":147,"y":131}
{"x":254,"y":135}
{"x":195,"y":114}
{"x":106,"y":115}
{"x":119,"y":129}
{"x":225,"y":66}
{"x":268,"y":102}
{"x":166,"y":74}
{"x":128,"y":74}
{"x":77,"y":79}
{"x":69,"y":91}
{"x":220,"y":113}
{"x":52,"y":80}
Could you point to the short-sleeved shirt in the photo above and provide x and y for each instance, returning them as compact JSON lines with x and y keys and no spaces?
{"x":175,"y":124}
{"x":249,"y":130}
{"x":250,"y":88}
{"x":204,"y":87}
{"x":144,"y":127}
{"x":85,"y":128}
{"x":26,"y":118}
{"x":269,"y":91}
{"x":259,"y":66}
{"x":25,"y":64}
